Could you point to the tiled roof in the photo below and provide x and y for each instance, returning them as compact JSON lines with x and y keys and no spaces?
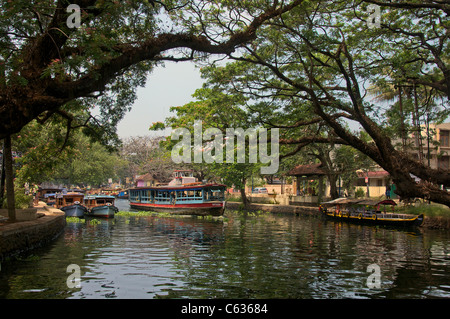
{"x":307,"y":170}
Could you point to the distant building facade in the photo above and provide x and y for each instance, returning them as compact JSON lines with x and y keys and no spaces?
{"x":145,"y":180}
{"x":433,"y":147}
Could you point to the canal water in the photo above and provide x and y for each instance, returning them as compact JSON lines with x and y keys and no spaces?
{"x":254,"y":255}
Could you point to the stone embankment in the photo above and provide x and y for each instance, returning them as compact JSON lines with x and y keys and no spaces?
{"x":438,"y":222}
{"x":33,"y":228}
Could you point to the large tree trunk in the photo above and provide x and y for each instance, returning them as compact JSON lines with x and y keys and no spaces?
{"x":243,"y":195}
{"x":333,"y":189}
{"x":400,"y":165}
{"x":9,"y":179}
{"x":3,"y":178}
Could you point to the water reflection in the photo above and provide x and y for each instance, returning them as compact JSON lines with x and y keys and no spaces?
{"x":265,"y":256}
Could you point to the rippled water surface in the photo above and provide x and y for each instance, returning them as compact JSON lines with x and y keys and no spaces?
{"x":263,"y":256}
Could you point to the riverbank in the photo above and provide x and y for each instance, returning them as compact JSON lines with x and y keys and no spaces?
{"x":34,"y":227}
{"x":430,"y":222}
{"x":276,"y":209}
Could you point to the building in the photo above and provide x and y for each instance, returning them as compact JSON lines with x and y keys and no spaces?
{"x":146,"y":180}
{"x":374,"y":182}
{"x":304,"y":175}
{"x":433,"y":148}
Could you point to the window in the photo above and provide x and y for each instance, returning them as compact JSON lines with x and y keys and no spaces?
{"x":145,"y":196}
{"x":214,"y":194}
{"x":134,"y":195}
{"x":361,"y":182}
{"x":162,"y":196}
{"x":444,"y":138}
{"x":444,"y":162}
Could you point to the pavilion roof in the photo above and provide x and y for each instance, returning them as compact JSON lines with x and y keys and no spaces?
{"x":307,"y":170}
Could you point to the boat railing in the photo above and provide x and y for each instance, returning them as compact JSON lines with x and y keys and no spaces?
{"x":369,"y":214}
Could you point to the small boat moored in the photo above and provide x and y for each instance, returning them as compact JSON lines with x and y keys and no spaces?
{"x":100,"y":206}
{"x":44,"y":194}
{"x":50,"y":199}
{"x":70,"y":204}
{"x":123,"y":194}
{"x":372,"y":212}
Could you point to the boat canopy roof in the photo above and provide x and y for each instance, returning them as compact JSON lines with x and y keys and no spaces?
{"x":93,"y":196}
{"x":378,"y":202}
{"x":71,"y":194}
{"x":180,"y":187}
{"x":342,"y":201}
{"x":352,"y":201}
{"x":50,"y":194}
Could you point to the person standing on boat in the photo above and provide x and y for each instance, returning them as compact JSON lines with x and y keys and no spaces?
{"x":172,"y":198}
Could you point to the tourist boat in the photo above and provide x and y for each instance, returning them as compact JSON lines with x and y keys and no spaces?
{"x":70,"y":204}
{"x":182,"y":196}
{"x":368,"y":212}
{"x":100,"y":206}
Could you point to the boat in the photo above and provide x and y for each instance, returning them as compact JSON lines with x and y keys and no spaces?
{"x":123,"y":194}
{"x":50,"y":199}
{"x":44,"y":193}
{"x":100,"y":206}
{"x":372,"y":212}
{"x":184,"y":195}
{"x":70,"y":204}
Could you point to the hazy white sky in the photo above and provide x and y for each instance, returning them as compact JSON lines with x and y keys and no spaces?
{"x":172,"y":85}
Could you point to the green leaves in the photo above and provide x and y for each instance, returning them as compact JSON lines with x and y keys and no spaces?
{"x":43,"y":157}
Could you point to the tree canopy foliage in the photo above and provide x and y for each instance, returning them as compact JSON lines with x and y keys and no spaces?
{"x":46,"y":62}
{"x":328,"y":70}
{"x":67,"y":58}
{"x":313,"y":69}
{"x":45,"y":156}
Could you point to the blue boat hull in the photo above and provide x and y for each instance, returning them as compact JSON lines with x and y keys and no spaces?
{"x":74,"y":210}
{"x":106,"y":211}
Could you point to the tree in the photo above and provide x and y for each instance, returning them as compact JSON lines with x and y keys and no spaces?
{"x":145,"y":154}
{"x":137,"y":151}
{"x":313,"y":69}
{"x":43,"y":147}
{"x":220,"y":111}
{"x":45,"y":155}
{"x":96,"y":52}
{"x":46,"y":62}
{"x":93,"y":165}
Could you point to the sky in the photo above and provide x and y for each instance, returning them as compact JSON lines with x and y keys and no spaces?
{"x":172,"y":85}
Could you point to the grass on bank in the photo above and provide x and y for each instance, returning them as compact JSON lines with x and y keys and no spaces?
{"x":429,"y":210}
{"x":91,"y":221}
{"x":162,"y":215}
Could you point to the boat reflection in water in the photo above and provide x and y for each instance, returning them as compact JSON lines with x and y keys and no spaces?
{"x":182,"y":196}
